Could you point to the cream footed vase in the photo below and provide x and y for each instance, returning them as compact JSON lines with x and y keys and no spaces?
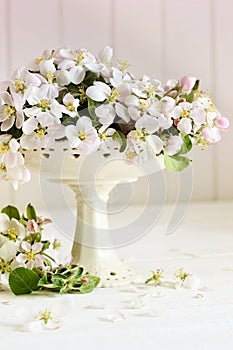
{"x":92,"y":178}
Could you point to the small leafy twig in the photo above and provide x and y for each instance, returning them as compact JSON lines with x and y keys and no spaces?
{"x":62,"y":280}
{"x":156,"y":277}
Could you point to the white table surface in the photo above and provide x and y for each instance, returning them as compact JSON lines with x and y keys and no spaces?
{"x":202,"y":244}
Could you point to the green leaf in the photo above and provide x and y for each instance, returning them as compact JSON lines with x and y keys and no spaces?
{"x":31,"y":212}
{"x":187,"y":145}
{"x":92,"y":105}
{"x":189,"y":98}
{"x":12,"y":212}
{"x":176,"y":163}
{"x":92,"y":283}
{"x":196,"y":85}
{"x":120,"y":137}
{"x":23,"y":281}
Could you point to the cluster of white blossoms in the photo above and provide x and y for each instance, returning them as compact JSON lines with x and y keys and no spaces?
{"x":24,"y":244}
{"x":71,"y":94}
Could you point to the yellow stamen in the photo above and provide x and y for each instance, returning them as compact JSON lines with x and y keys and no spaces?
{"x":30,"y":255}
{"x":9,"y":110}
{"x":45,"y":316}
{"x":49,"y":75}
{"x":70,"y":106}
{"x":39,"y":59}
{"x":2,"y":167}
{"x":80,"y":55}
{"x":20,"y":86}
{"x":130,"y":154}
{"x":4,"y":266}
{"x":143,"y":105}
{"x":12,"y":234}
{"x":150,"y":91}
{"x":123,"y":65}
{"x":41,"y":132}
{"x":103,"y":137}
{"x":185,"y":113}
{"x":56,"y":244}
{"x":4,"y":148}
{"x":115,"y":93}
{"x":139,"y":135}
{"x":44,"y":104}
{"x":82,"y":135}
{"x":82,"y":96}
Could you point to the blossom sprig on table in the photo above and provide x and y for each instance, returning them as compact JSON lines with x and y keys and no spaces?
{"x":156,"y":277}
{"x":96,"y":104}
{"x":30,"y":261}
{"x":181,"y":279}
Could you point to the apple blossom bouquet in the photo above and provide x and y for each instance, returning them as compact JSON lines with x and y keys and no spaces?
{"x":30,"y":257}
{"x":95,"y":104}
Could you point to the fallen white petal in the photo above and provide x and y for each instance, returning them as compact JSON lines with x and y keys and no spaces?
{"x":113,"y":316}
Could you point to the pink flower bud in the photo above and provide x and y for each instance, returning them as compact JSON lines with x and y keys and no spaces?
{"x":187,"y":83}
{"x":85,"y":280}
{"x":222,"y":123}
{"x":32,"y":226}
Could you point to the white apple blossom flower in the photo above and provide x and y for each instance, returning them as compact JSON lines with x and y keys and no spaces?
{"x":41,"y":102}
{"x":34,"y":319}
{"x":185,"y":125}
{"x":41,"y":132}
{"x":71,"y":104}
{"x":99,"y":91}
{"x":162,"y":110}
{"x":174,"y":144}
{"x":11,"y":228}
{"x":143,"y":141}
{"x":106,"y":114}
{"x":212,"y":135}
{"x":107,"y":142}
{"x":31,"y":254}
{"x":18,"y":175}
{"x":105,"y":55}
{"x":34,"y":65}
{"x":83,"y":135}
{"x":11,"y":110}
{"x":47,"y":69}
{"x":22,"y":79}
{"x":9,"y":154}
{"x":77,"y":63}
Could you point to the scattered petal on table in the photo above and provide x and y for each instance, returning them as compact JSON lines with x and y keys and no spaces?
{"x":191,"y":254}
{"x":95,"y":307}
{"x":158,"y":294}
{"x":149,"y":314}
{"x":199,"y":296}
{"x":192,"y":282}
{"x":7,"y":302}
{"x":38,"y":326}
{"x":137,"y":303}
{"x":170,"y":284}
{"x":113,"y":316}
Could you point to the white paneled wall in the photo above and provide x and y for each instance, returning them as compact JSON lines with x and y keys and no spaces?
{"x":162,"y":38}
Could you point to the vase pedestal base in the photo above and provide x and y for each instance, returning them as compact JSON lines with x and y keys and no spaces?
{"x":92,"y":247}
{"x":105,"y":264}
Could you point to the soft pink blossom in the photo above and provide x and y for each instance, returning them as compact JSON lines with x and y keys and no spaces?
{"x":211,"y":134}
{"x":187,"y":83}
{"x":32,"y":226}
{"x":222,"y":123}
